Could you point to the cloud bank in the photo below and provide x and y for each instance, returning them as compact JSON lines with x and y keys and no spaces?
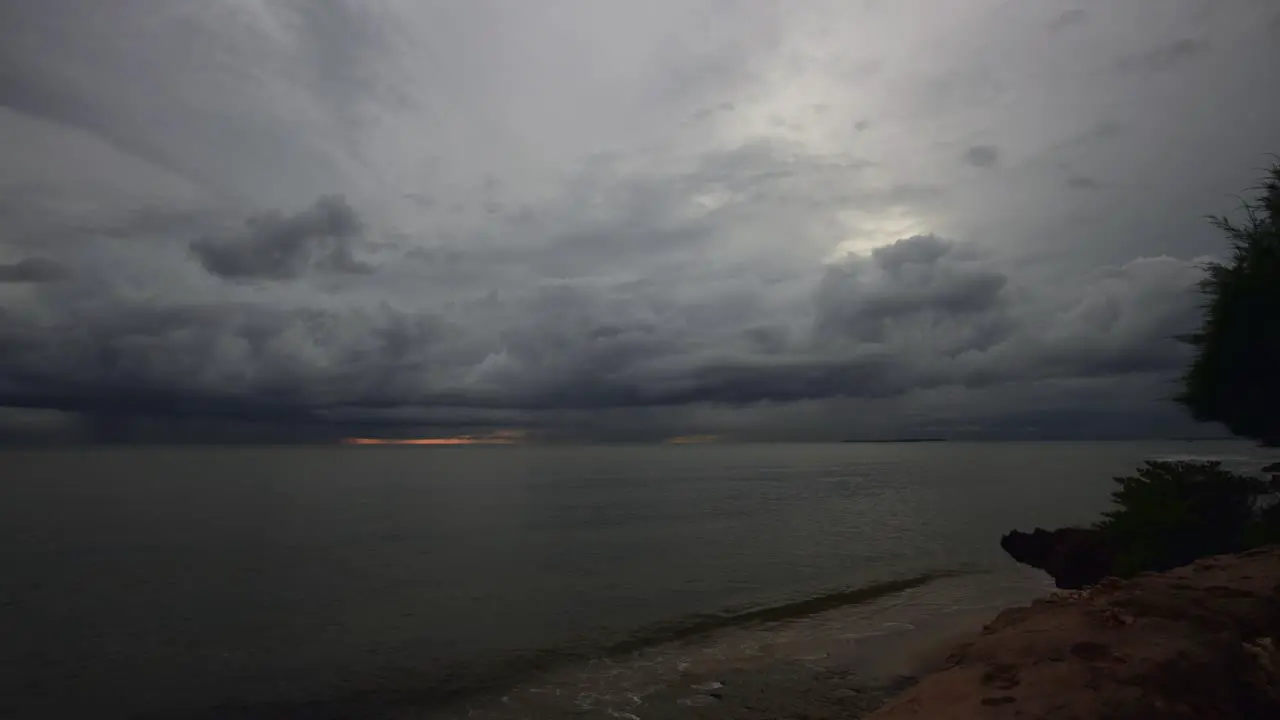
{"x":590,"y":222}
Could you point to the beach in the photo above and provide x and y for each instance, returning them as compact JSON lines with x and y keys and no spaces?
{"x":842,"y":663}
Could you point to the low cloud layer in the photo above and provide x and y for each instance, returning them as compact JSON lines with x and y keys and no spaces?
{"x":982,"y":156}
{"x":32,"y":270}
{"x":608,"y":224}
{"x":921,"y":313}
{"x":322,"y":238}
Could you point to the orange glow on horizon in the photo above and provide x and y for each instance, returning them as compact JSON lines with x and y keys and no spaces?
{"x":693,"y":439}
{"x":501,"y":437}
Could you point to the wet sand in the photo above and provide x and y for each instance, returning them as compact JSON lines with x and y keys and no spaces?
{"x":843,"y":663}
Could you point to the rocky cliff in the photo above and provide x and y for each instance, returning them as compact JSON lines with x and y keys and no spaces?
{"x":1196,"y":642}
{"x":1074,"y":557}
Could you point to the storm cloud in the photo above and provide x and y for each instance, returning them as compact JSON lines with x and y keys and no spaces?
{"x":982,"y":155}
{"x":322,"y":238}
{"x":602,"y":221}
{"x":32,"y":270}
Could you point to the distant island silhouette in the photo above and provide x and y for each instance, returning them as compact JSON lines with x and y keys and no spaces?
{"x":899,"y":440}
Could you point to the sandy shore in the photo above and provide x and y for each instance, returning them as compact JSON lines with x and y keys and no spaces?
{"x":839,"y":664}
{"x":1196,"y":642}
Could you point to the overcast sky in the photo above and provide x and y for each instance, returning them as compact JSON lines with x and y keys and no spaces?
{"x":608,"y":220}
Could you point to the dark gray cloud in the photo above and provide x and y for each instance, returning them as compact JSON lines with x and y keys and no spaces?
{"x":922,"y":312}
{"x":1069,"y":18}
{"x":606,"y":221}
{"x":33,"y":270}
{"x":916,"y":283}
{"x":322,"y":238}
{"x":220,"y":360}
{"x":1101,"y":131}
{"x":1163,"y":57}
{"x":966,"y":318}
{"x":982,"y":156}
{"x":924,"y":250}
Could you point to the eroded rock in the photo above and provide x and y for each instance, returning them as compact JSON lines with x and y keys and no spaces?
{"x":1074,"y":557}
{"x":1185,"y":649}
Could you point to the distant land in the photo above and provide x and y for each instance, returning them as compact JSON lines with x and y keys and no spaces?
{"x":898,"y":440}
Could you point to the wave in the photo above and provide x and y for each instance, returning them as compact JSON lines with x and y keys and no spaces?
{"x":696,"y":625}
{"x":444,"y":686}
{"x":1247,"y":464}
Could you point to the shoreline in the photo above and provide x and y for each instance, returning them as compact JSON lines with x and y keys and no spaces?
{"x":821,"y":679}
{"x":1197,"y":641}
{"x":838,"y":660}
{"x":843,"y":663}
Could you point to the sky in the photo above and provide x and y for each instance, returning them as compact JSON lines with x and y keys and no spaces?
{"x":598,"y":220}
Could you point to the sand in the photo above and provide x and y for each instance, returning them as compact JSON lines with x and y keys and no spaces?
{"x":1197,"y":642}
{"x":840,"y":664}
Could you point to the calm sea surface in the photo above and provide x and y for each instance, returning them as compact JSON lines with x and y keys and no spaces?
{"x":176,"y":580}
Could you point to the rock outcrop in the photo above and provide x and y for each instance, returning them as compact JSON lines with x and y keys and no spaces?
{"x":1196,"y":642}
{"x":1075,"y":557}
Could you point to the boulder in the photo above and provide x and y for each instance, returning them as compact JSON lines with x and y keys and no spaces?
{"x":1074,"y":557}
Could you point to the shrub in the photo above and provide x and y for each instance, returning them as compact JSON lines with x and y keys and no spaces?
{"x":1170,"y":513}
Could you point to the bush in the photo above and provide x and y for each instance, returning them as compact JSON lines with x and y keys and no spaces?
{"x":1233,"y":378}
{"x":1171,"y":513}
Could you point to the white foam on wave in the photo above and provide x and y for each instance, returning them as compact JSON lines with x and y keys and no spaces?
{"x":888,"y":628}
{"x":1236,"y":463}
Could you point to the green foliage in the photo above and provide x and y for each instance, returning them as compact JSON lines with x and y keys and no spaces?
{"x":1235,"y":377}
{"x":1171,"y":513}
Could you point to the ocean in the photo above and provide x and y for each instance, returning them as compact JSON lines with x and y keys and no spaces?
{"x":308,"y":581}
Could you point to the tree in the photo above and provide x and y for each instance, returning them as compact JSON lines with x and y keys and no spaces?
{"x":1235,"y":376}
{"x":1168,"y":514}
